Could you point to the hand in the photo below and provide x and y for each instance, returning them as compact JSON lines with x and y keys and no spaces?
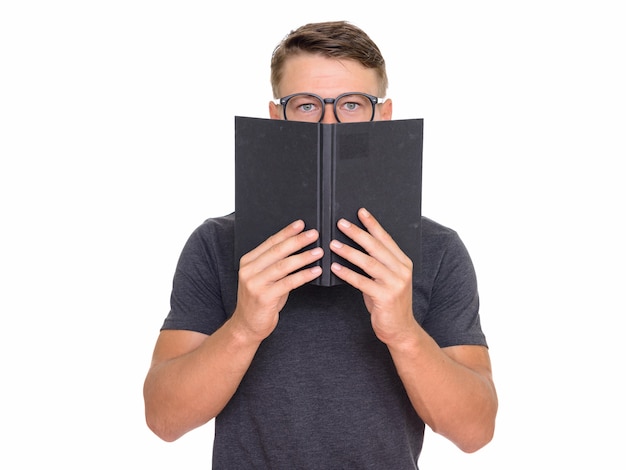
{"x":388,"y":292}
{"x":269,"y":272}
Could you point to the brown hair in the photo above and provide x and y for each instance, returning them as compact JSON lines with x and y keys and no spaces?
{"x":333,"y":39}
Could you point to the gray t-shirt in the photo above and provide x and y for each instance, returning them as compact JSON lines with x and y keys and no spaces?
{"x":322,"y":391}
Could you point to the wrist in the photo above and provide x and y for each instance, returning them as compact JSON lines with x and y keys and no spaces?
{"x":243,"y":333}
{"x":407,"y":339}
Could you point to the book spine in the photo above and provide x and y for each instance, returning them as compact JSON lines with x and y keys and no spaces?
{"x":326,"y":199}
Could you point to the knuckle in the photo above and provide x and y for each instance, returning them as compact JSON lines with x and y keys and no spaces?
{"x":282,"y":265}
{"x":244,"y":273}
{"x":369,"y":263}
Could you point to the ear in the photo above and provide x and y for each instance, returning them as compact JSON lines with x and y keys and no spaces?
{"x":385,"y":109}
{"x":275,"y":111}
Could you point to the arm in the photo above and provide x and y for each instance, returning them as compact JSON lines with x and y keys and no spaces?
{"x":193,"y":376}
{"x":451,"y":389}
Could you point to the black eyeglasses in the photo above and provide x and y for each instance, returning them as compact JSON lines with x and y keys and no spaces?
{"x":348,"y":107}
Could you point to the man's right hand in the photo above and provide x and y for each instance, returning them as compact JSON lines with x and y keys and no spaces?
{"x":268,"y":273}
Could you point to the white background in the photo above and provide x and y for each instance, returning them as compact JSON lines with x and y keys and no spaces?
{"x":116,"y":141}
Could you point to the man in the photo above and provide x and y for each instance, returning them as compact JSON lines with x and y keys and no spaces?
{"x":300,"y":376}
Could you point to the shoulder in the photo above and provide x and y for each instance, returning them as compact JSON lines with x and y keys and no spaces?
{"x":430,"y":228}
{"x":446,"y":295}
{"x":223,"y":225}
{"x":443,"y":251}
{"x":215,"y":231}
{"x":439,"y":238}
{"x":211,"y":244}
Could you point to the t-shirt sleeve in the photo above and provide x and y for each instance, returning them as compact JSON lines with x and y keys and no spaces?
{"x":196,"y":301}
{"x":453,"y":316}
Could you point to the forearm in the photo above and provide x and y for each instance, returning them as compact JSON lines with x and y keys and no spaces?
{"x":191,"y":389}
{"x":456,"y":400}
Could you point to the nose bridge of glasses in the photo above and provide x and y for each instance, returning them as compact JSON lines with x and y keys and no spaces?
{"x":330,"y":116}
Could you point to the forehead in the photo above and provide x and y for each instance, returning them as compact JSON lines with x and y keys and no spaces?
{"x":325,"y":76}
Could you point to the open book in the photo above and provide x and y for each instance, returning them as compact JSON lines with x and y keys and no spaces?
{"x":287,"y":170}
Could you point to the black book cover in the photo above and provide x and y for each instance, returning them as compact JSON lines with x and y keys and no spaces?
{"x":288,"y":170}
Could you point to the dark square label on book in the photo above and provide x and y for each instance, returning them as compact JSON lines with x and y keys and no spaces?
{"x":320,"y":173}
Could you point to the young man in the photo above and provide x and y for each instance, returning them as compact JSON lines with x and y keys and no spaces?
{"x":300,"y":376}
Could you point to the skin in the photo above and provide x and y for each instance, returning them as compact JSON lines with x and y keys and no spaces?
{"x":193,"y":376}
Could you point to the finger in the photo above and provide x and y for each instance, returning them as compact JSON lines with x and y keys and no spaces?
{"x":379,"y":233}
{"x":383,"y":260}
{"x":298,"y":278}
{"x":285,"y":234}
{"x":285,"y":267}
{"x":373,"y":247}
{"x":369,"y":264}
{"x":282,"y":277}
{"x":289,"y":231}
{"x":356,"y":280}
{"x":278,"y":260}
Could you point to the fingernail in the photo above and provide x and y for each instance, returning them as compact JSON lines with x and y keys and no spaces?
{"x":336,"y":244}
{"x":344,"y":223}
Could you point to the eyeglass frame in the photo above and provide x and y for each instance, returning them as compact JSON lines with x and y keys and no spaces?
{"x":373,"y":99}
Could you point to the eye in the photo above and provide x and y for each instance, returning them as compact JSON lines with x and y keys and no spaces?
{"x":305,"y":104}
{"x":354,"y":103}
{"x":304,"y":107}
